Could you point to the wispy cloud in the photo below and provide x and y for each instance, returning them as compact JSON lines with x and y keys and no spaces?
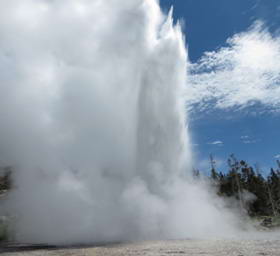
{"x":250,"y":141}
{"x":245,"y":72}
{"x":277,"y":156}
{"x":195,"y":145}
{"x":216,"y":142}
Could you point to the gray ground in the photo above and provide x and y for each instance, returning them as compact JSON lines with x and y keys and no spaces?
{"x":156,"y":248}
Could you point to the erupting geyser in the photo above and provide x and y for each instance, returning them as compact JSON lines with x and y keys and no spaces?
{"x":93,"y":123}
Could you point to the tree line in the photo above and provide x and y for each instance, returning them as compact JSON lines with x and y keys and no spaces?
{"x":241,"y":180}
{"x":5,"y":179}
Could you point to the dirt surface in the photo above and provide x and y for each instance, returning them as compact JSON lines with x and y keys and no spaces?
{"x":155,"y":248}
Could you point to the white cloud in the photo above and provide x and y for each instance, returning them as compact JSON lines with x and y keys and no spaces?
{"x":245,"y":72}
{"x":277,"y":156}
{"x":217,"y":142}
{"x":249,"y":141}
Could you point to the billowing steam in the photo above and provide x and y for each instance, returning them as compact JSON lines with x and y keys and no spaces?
{"x":93,"y":123}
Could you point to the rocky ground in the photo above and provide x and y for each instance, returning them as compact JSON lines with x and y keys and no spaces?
{"x":154,"y":248}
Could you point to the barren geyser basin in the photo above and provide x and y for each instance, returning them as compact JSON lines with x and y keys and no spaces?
{"x":93,"y":121}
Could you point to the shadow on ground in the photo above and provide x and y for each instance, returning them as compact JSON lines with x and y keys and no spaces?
{"x":16,"y":247}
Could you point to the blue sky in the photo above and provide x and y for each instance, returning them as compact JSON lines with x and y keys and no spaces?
{"x":240,"y":113}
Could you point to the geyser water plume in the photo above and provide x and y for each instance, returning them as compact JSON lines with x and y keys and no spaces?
{"x":93,"y":123}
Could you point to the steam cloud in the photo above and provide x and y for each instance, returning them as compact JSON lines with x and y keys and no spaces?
{"x":93,"y":122}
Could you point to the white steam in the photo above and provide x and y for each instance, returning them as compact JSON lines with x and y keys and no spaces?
{"x":93,"y":122}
